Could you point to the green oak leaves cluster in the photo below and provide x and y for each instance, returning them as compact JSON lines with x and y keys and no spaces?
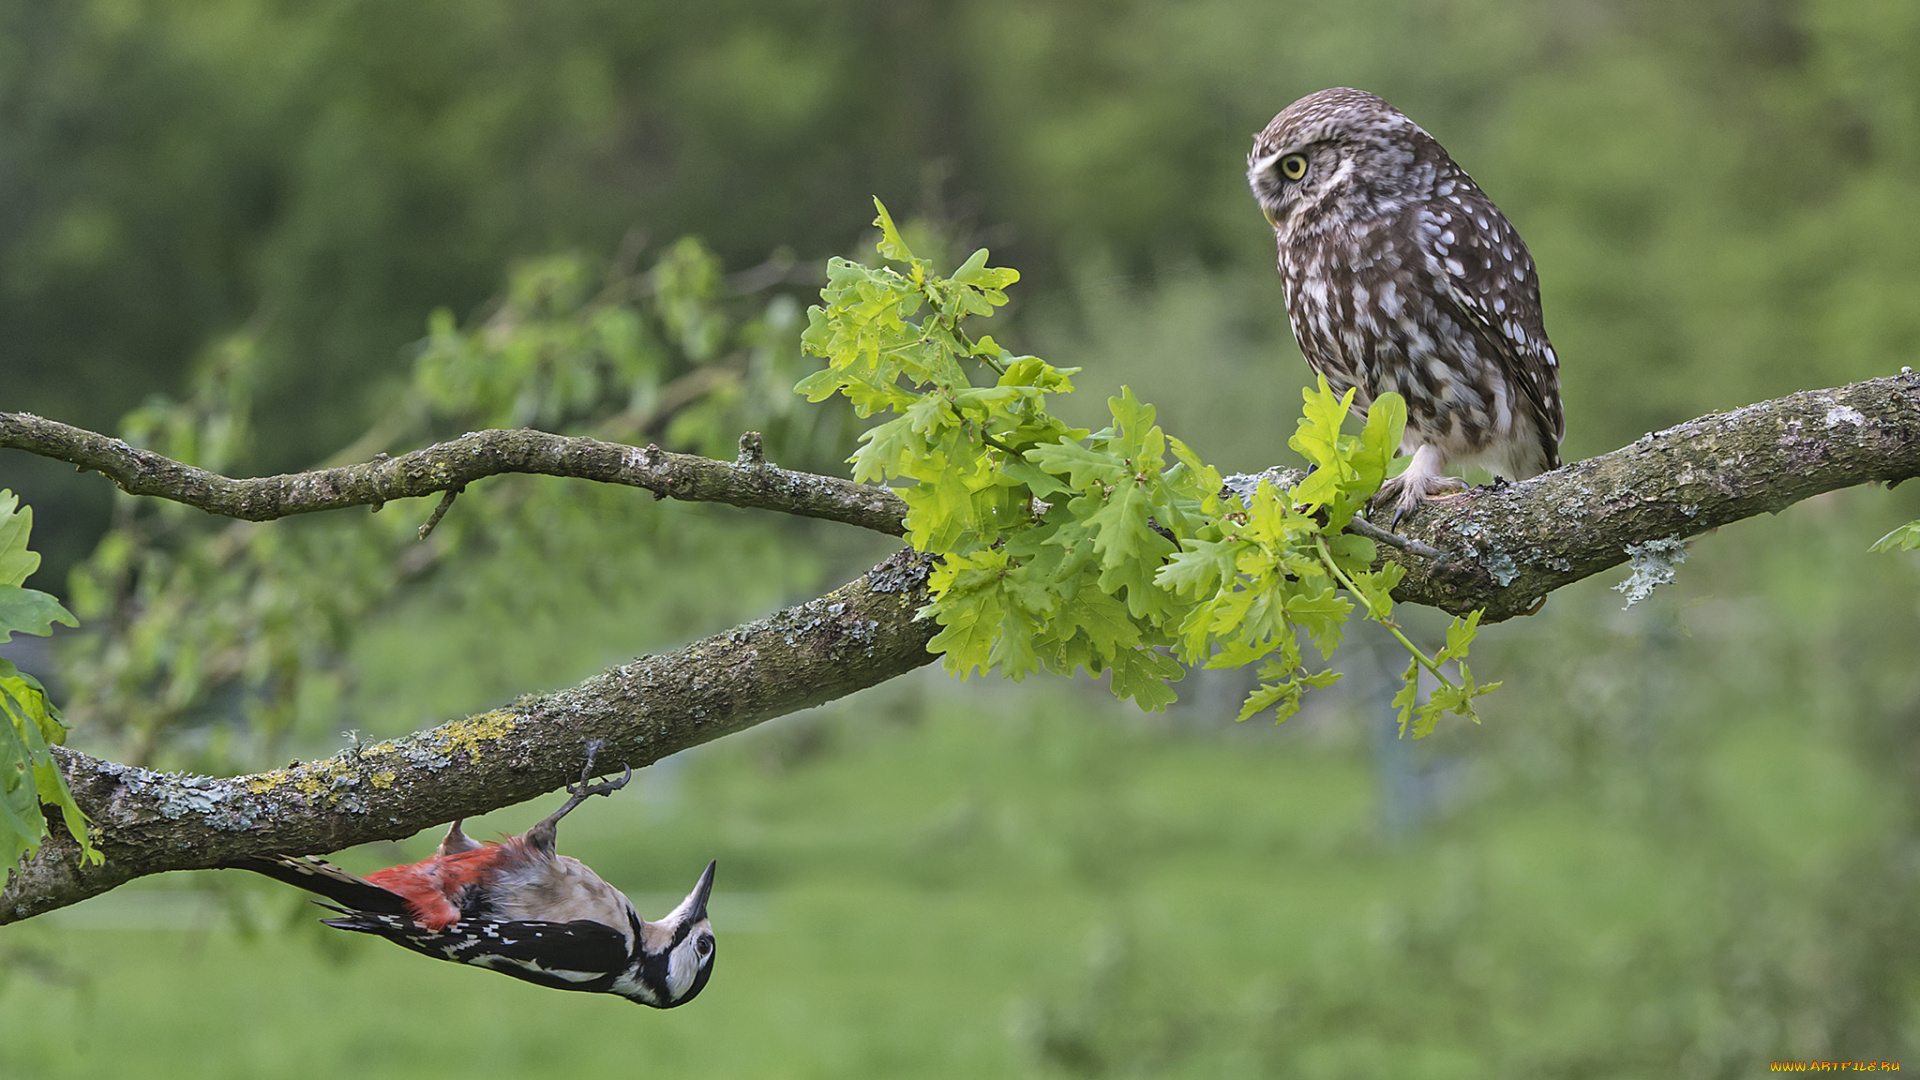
{"x":1115,"y":550}
{"x":1904,"y":538}
{"x":28,"y":776}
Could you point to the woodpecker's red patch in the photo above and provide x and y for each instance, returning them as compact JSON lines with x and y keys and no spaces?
{"x":434,"y":889}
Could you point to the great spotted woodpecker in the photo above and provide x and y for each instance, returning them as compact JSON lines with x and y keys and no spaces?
{"x":519,"y":908}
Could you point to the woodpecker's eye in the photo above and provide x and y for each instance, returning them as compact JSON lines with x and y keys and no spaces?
{"x":703,"y":946}
{"x":1293,"y":166}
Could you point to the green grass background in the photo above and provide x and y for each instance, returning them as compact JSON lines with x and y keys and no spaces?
{"x":1622,"y":873}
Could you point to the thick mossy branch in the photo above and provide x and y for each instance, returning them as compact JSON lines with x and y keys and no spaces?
{"x":452,"y":465}
{"x":861,"y":634}
{"x":1508,"y":547}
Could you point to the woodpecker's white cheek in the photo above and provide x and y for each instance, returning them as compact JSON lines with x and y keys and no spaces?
{"x":682,"y":966}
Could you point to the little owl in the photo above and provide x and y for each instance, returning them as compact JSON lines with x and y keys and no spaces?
{"x":1402,"y":275}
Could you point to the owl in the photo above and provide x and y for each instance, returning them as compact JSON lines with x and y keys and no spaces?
{"x":1401,"y":275}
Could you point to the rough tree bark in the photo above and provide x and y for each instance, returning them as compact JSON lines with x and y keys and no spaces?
{"x":1502,"y":549}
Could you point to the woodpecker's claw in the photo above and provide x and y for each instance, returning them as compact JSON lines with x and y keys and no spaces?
{"x":605,"y":787}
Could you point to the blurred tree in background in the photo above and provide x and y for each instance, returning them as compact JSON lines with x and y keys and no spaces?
{"x":1718,"y":190}
{"x":1682,"y":844}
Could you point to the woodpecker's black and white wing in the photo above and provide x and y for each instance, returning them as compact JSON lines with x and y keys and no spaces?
{"x":579,"y":955}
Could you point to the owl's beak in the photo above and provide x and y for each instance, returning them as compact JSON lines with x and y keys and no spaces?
{"x":1267,"y":212}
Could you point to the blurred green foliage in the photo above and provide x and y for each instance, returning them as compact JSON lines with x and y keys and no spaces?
{"x":216,"y":645}
{"x":1682,"y":844}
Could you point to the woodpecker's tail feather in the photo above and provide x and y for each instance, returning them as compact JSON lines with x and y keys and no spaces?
{"x":395,"y":927}
{"x":328,"y":880}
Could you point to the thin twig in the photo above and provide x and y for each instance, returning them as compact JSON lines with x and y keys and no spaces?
{"x":455,"y":464}
{"x":1374,"y":532}
{"x":1326,"y":558}
{"x":440,"y":511}
{"x":753,"y":452}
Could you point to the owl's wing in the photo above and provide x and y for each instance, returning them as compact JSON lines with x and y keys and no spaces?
{"x":1490,"y":279}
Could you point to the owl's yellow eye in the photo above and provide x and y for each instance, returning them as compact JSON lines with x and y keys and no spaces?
{"x":1293,"y":166}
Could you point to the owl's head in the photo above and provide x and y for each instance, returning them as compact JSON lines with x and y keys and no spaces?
{"x":1337,"y":155}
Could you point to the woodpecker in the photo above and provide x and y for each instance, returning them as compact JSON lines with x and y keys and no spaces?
{"x":519,"y":908}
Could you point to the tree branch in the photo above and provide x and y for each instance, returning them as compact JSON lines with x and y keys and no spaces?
{"x":1508,"y":547}
{"x":857,"y":636}
{"x":454,"y":464}
{"x":1502,"y":549}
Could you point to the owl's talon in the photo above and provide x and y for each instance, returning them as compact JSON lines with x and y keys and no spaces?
{"x":1415,"y":486}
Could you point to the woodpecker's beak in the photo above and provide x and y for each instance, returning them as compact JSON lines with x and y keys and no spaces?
{"x":694,"y":907}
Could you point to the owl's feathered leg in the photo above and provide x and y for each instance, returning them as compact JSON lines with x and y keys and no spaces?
{"x":1421,"y":481}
